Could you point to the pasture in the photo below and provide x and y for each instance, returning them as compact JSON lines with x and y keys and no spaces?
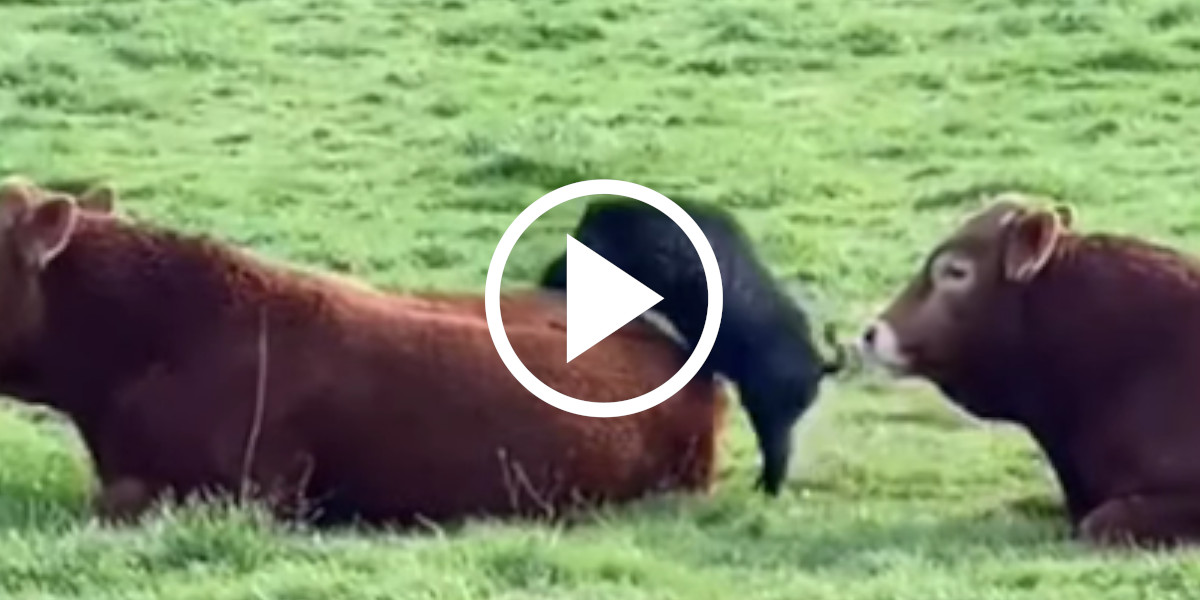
{"x":395,"y":141}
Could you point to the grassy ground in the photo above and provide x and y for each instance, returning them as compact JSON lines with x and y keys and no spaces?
{"x":396,"y":141}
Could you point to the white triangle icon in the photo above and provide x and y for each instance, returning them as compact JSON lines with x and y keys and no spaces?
{"x":600,"y":298}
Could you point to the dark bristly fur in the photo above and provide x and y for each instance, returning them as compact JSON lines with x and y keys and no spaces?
{"x":373,"y":406}
{"x":764,"y":345}
{"x":1089,"y":341}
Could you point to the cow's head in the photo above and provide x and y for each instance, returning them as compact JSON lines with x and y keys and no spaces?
{"x":960,"y":314}
{"x":35,"y":227}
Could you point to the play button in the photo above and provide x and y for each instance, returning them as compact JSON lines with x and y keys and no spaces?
{"x":600,"y":298}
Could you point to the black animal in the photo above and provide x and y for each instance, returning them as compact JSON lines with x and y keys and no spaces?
{"x":764,"y":345}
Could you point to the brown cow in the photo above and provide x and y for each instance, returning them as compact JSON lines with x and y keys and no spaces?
{"x":190,"y":366}
{"x":1091,"y":342}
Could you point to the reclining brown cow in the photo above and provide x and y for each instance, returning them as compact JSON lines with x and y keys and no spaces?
{"x":1089,"y":341}
{"x":190,"y":366}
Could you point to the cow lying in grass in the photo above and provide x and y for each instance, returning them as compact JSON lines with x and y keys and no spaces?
{"x":192,"y":367}
{"x":764,"y":345}
{"x":1089,"y":341}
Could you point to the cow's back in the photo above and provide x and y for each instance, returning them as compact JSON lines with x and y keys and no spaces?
{"x":423,"y":418}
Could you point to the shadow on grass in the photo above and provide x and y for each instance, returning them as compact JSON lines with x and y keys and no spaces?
{"x":760,"y":533}
{"x":660,"y":542}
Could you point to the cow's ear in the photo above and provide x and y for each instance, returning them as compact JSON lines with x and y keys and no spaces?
{"x":16,"y":197}
{"x":1030,"y":242}
{"x":99,"y":199}
{"x":47,"y":228}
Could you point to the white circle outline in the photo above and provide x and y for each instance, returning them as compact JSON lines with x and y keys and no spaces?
{"x":712,"y":275}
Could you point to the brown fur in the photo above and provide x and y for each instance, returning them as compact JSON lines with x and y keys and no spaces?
{"x":1095,"y":350}
{"x":164,"y":350}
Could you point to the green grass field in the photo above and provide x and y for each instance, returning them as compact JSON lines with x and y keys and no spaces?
{"x":396,"y":141}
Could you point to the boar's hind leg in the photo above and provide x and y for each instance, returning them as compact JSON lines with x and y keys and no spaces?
{"x":1144,"y":520}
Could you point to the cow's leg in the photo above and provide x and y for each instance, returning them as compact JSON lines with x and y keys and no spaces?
{"x":284,"y":485}
{"x":1144,"y":520}
{"x":123,"y":499}
{"x":124,"y":496}
{"x":275,"y":472}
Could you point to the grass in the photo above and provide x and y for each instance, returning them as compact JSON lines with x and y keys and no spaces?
{"x":396,"y":141}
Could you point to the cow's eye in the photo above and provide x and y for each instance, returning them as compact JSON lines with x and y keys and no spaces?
{"x":952,"y":271}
